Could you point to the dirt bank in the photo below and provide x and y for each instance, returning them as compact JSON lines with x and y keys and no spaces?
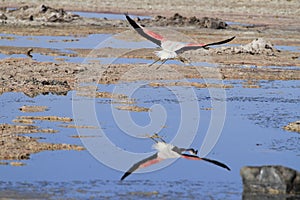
{"x":197,"y":26}
{"x":18,"y":74}
{"x":280,"y":13}
{"x":19,"y":147}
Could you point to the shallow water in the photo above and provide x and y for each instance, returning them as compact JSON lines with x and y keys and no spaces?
{"x":183,"y":189}
{"x":54,"y":42}
{"x":106,"y":15}
{"x":64,"y":44}
{"x":252,"y":135}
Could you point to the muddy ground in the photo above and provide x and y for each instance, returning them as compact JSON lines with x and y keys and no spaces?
{"x":19,"y":147}
{"x":280,"y":13}
{"x":259,"y":26}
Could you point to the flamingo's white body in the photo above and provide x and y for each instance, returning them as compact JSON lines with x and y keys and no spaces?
{"x":165,"y":150}
{"x":170,"y":49}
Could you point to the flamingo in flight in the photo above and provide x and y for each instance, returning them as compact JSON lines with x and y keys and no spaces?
{"x":166,"y":151}
{"x":170,"y":49}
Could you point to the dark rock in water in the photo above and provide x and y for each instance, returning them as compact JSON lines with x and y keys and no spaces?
{"x":293,"y":126}
{"x":270,"y":182}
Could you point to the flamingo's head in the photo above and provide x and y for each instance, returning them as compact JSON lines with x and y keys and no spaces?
{"x":193,"y":151}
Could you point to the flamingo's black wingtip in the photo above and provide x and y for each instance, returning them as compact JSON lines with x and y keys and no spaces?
{"x":125,"y":175}
{"x":127,"y":17}
{"x":224,"y":166}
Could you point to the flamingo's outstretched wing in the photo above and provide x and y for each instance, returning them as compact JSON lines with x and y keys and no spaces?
{"x":193,"y":46}
{"x":149,"y":35}
{"x":141,"y":164}
{"x":194,"y":157}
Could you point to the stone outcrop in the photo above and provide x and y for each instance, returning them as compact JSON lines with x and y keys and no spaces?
{"x":181,"y":21}
{"x":256,"y":47}
{"x":40,"y":13}
{"x":270,"y":181}
{"x":19,"y":147}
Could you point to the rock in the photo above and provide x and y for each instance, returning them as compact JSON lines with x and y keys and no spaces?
{"x":273,"y":181}
{"x":257,"y":46}
{"x":41,"y":13}
{"x":293,"y":126}
{"x":3,"y":17}
{"x":179,"y":20}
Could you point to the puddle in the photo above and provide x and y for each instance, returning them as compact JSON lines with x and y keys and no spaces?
{"x":268,"y":67}
{"x":240,"y":24}
{"x":106,"y":15}
{"x":54,"y":42}
{"x":122,"y":60}
{"x":288,"y":48}
{"x":64,"y":44}
{"x":61,"y":44}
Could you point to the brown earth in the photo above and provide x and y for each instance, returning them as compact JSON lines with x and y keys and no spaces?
{"x":133,"y":108}
{"x":18,"y":147}
{"x":33,"y":108}
{"x":280,"y":13}
{"x":18,"y":74}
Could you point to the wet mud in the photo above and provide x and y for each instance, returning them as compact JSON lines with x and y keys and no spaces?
{"x":133,"y":108}
{"x":14,"y":146}
{"x":47,"y":118}
{"x":33,"y":108}
{"x":279,"y":14}
{"x":18,"y":76}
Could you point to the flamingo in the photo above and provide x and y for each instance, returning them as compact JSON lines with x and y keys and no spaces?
{"x":170,"y":49}
{"x":167,"y":151}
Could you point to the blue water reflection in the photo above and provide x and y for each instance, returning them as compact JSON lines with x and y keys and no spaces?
{"x":244,"y":140}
